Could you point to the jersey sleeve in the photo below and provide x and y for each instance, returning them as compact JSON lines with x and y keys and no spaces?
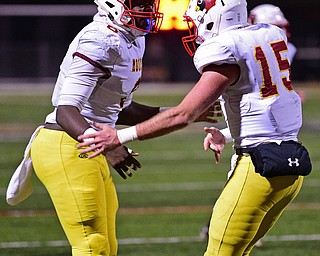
{"x":212,"y":51}
{"x":93,"y":58}
{"x":79,"y":83}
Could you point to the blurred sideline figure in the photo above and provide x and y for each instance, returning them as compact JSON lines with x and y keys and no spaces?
{"x":269,"y":14}
{"x":248,"y":66}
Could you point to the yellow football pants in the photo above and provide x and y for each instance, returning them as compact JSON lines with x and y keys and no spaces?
{"x":247,"y":208}
{"x":82,"y":191}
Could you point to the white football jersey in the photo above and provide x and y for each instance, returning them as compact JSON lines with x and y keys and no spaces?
{"x":262,"y":105}
{"x":101,"y":70}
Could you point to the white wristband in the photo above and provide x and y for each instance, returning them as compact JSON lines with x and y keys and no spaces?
{"x":163,"y":109}
{"x":226,"y":133}
{"x":89,"y":131}
{"x":127,"y":134}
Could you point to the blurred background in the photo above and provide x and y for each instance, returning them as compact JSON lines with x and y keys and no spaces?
{"x":35,"y":34}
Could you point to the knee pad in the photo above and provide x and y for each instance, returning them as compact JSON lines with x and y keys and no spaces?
{"x":95,"y":245}
{"x":98,"y":244}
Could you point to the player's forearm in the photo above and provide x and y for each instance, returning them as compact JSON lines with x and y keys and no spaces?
{"x":153,"y":130}
{"x":70,"y":119}
{"x":164,"y":123}
{"x":136,"y":113}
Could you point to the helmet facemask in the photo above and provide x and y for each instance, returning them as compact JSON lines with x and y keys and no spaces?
{"x":143,"y":15}
{"x":192,"y":41}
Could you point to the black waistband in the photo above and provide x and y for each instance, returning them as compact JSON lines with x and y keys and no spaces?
{"x":243,"y":151}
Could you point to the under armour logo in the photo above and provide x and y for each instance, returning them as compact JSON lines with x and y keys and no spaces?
{"x":296,"y":162}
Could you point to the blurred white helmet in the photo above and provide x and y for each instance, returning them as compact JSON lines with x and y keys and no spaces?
{"x":267,"y":13}
{"x":140,"y":15}
{"x":270,"y":14}
{"x":208,"y":18}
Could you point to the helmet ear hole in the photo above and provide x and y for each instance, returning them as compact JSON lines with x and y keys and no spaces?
{"x":210,"y":25}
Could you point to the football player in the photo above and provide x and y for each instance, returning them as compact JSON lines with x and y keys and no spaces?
{"x":99,"y":73}
{"x":248,"y":66}
{"x":270,"y":14}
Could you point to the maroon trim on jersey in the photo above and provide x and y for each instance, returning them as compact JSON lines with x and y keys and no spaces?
{"x":113,"y":29}
{"x":94,"y":63}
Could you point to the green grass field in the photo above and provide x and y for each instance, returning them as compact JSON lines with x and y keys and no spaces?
{"x":164,"y":206}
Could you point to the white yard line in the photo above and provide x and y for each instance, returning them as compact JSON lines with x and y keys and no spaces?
{"x":197,"y":186}
{"x":149,"y":210}
{"x":149,"y":187}
{"x":152,"y":240}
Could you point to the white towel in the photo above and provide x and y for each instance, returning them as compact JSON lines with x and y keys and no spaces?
{"x":234,"y":162}
{"x":20,"y":185}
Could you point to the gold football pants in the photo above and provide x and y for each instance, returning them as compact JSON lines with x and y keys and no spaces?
{"x":82,"y":191}
{"x":247,"y":208}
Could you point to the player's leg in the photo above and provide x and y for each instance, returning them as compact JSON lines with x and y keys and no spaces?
{"x":76,"y":186}
{"x":112,"y":208}
{"x":240,"y":209}
{"x":281,"y":197}
{"x":227,"y":228}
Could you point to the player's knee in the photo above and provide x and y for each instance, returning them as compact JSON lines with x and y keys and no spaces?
{"x":94,"y":245}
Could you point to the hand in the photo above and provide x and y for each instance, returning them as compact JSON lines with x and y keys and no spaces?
{"x":214,"y":140}
{"x":121,"y":159}
{"x":213,"y":111}
{"x":104,"y":140}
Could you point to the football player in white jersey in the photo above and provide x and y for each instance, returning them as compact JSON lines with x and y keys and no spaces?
{"x":248,"y":66}
{"x":269,"y":14}
{"x":99,"y":73}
